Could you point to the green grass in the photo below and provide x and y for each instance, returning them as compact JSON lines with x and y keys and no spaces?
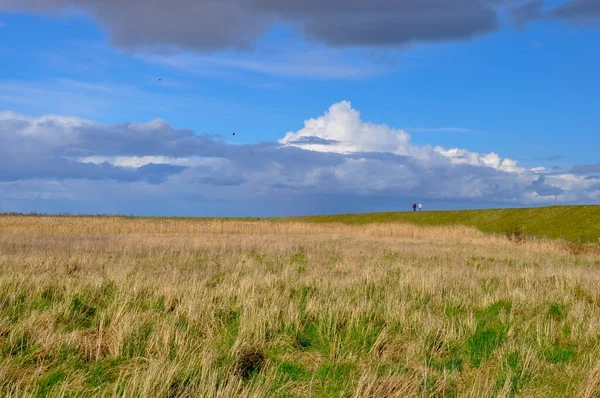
{"x":568,"y":222}
{"x":490,"y":333}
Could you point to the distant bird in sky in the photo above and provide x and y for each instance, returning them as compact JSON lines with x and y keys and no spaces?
{"x":160,"y":80}
{"x":233,"y":134}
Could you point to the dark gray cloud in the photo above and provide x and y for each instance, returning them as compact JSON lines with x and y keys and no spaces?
{"x":542,"y":188}
{"x":221,"y":181}
{"x":576,"y":11}
{"x":528,"y":11}
{"x":586,"y":169}
{"x":385,"y":23}
{"x":51,"y":167}
{"x":216,"y":24}
{"x":594,"y":188}
{"x":314,"y":141}
{"x":12,"y":169}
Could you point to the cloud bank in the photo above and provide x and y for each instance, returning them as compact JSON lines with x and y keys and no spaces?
{"x":216,"y":24}
{"x":335,"y":162}
{"x":207,"y":25}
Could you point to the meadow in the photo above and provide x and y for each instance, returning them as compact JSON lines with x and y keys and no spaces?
{"x":112,"y":306}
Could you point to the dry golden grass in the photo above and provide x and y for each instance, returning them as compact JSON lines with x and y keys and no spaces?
{"x":174,"y":308}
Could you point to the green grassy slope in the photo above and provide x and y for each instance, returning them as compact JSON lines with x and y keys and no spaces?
{"x":569,"y":222}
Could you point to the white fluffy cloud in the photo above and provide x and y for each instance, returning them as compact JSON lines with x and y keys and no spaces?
{"x":341,"y":129}
{"x":493,"y":160}
{"x":336,"y":162}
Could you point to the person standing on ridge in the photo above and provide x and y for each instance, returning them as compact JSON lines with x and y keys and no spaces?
{"x":420,"y":207}
{"x":415,"y":206}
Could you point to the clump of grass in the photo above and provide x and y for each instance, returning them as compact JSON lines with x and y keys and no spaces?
{"x":577,"y":247}
{"x":557,"y":311}
{"x":516,"y":234}
{"x":559,"y":352}
{"x":136,"y":342}
{"x":19,"y":343}
{"x":308,"y":336}
{"x":512,"y":376}
{"x":80,"y":315}
{"x":489,"y":334}
{"x":249,"y":363}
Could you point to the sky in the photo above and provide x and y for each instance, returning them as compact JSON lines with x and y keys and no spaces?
{"x":273,"y":108}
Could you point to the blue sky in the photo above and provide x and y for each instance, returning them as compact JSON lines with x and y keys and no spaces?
{"x":443,"y":93}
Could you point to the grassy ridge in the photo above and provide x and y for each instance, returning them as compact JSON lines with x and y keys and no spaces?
{"x":568,"y":222}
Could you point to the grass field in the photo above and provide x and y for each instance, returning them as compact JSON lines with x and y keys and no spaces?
{"x":568,"y":222}
{"x":178,"y":308}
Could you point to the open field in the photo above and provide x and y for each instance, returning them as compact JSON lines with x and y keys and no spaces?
{"x":572,"y":223}
{"x":569,"y":222}
{"x":177,"y":308}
